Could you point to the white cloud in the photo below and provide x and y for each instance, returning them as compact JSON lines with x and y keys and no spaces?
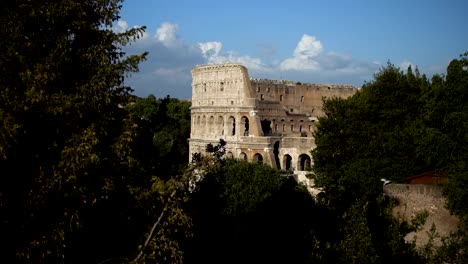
{"x":167,"y":33}
{"x":212,"y":53}
{"x":121,"y":26}
{"x":308,"y":47}
{"x":210,"y":49}
{"x":405,"y":64}
{"x":303,"y":57}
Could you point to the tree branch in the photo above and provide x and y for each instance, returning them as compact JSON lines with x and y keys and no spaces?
{"x":148,"y":239}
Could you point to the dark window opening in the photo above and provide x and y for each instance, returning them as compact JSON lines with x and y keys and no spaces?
{"x":276,"y":152}
{"x":245,"y":121}
{"x":266,"y":127}
{"x":303,"y":162}
{"x":287,"y":162}
{"x":258,"y":158}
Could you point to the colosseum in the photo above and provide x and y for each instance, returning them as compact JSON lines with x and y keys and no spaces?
{"x":268,"y":121}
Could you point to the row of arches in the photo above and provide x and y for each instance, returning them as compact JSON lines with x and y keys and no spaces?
{"x":217,"y":126}
{"x":303,"y":161}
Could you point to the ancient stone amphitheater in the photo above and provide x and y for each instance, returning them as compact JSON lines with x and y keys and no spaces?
{"x":267,"y":121}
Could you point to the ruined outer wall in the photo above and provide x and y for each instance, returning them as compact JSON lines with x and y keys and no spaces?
{"x":300,"y":98}
{"x":293,"y":108}
{"x":415,"y":198}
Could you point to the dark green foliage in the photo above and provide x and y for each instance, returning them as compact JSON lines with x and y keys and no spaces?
{"x":370,"y":136}
{"x":167,"y":122}
{"x":373,"y":135}
{"x":74,"y":183}
{"x":447,"y":126}
{"x":446,"y":141}
{"x":246,"y":213}
{"x":398,"y":125}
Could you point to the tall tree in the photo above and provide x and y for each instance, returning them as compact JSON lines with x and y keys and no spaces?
{"x":370,"y":136}
{"x":362,"y":139}
{"x":72,"y":188}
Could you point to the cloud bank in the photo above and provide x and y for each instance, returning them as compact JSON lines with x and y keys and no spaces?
{"x":171,"y":58}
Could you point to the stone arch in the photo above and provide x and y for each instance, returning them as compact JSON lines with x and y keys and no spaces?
{"x":229,"y":155}
{"x":245,"y":126}
{"x":243,"y":156}
{"x":275,"y":153}
{"x":257,"y":158}
{"x":231,"y":126}
{"x":211,"y":124}
{"x":303,"y":162}
{"x":220,"y":125}
{"x":287,"y":162}
{"x":198,"y":120}
{"x":203,"y":123}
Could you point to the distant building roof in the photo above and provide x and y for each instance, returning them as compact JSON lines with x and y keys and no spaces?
{"x":430,"y":177}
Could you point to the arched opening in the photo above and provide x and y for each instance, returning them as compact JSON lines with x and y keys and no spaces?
{"x":220,"y":125}
{"x":211,"y":124}
{"x":245,"y":122}
{"x":231,"y":126}
{"x":266,"y":127}
{"x":275,"y":153}
{"x":203,"y":121}
{"x":257,"y":158}
{"x":304,"y":162}
{"x":242,"y":156}
{"x":287,"y":162}
{"x":198,"y":121}
{"x":229,"y":155}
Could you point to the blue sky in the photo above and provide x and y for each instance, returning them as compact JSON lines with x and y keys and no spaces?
{"x":309,"y":41}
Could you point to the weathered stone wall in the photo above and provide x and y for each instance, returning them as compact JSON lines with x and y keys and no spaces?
{"x":415,"y":198}
{"x":265,"y":120}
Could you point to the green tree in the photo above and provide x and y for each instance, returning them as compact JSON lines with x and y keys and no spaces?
{"x":369,"y":136}
{"x":444,"y":143}
{"x":73,"y":188}
{"x":248,"y":212}
{"x":167,"y":121}
{"x":372,"y":135}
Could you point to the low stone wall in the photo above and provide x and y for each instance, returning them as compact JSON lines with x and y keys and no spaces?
{"x":415,"y":198}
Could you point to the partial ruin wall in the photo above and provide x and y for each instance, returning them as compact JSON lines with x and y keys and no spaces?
{"x":415,"y":198}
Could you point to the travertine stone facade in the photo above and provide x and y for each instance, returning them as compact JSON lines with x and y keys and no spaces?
{"x":261,"y":120}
